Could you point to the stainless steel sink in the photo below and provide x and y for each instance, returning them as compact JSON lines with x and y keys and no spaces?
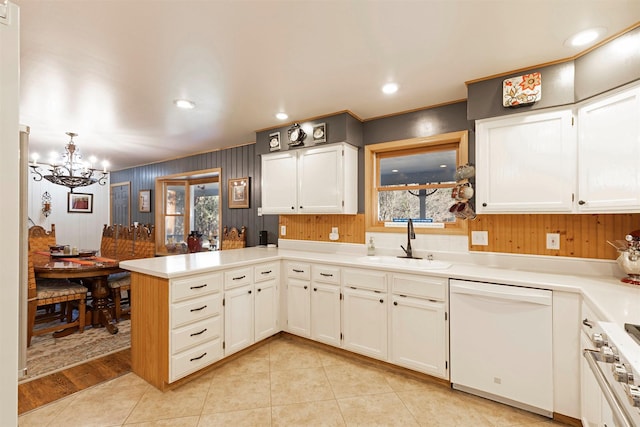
{"x":391,"y":261}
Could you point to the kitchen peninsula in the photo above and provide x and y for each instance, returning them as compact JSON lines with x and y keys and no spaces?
{"x":182,"y":325}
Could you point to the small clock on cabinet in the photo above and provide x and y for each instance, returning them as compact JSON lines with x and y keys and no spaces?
{"x":296,"y":135}
{"x":274,"y":141}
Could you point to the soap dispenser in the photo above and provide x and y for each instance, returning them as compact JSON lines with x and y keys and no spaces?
{"x":371,"y":247}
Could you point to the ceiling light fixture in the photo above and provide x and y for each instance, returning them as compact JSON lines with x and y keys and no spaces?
{"x":584,"y":37}
{"x":185,"y":104}
{"x":69,"y":169}
{"x":390,"y":88}
{"x":282,"y":116}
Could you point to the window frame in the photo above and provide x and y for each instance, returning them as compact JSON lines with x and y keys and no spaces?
{"x":457,"y":141}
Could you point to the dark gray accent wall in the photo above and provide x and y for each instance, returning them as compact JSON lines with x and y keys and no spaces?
{"x":234,"y":163}
{"x":485,"y":97}
{"x":611,"y":65}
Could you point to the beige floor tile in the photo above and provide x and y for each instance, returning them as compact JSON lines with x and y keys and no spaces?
{"x":328,"y":358}
{"x":238,"y":392}
{"x":286,"y":354}
{"x":183,"y":401}
{"x":349,"y":380}
{"x":299,"y":385}
{"x":103,"y":405}
{"x":251,"y":363}
{"x":172,"y":422}
{"x":249,"y":418}
{"x":323,"y":413}
{"x":499,"y":414}
{"x":45,"y":414}
{"x":433,"y":405}
{"x":376,"y":410}
{"x":401,"y":382}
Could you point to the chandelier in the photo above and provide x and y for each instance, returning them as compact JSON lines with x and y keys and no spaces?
{"x":69,"y":170}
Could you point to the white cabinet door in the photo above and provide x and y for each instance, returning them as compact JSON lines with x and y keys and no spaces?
{"x":238,"y":319}
{"x":266,"y":309}
{"x":325,"y":313}
{"x":320,"y":175}
{"x":418,"y":335}
{"x":526,"y":163}
{"x":298,"y":307}
{"x":279,"y":183}
{"x":365,"y":322}
{"x":609,"y":153}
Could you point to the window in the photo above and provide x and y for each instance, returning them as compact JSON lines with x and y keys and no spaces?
{"x":413,"y":179}
{"x":189,"y":202}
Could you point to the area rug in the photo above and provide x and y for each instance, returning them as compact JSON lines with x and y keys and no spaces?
{"x":47,"y":354}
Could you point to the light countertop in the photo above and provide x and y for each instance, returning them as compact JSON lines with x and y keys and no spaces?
{"x":612,"y":300}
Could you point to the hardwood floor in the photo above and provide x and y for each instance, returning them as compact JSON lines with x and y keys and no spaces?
{"x":47,"y":389}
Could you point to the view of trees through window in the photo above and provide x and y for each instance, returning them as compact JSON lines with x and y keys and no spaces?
{"x":205,"y":210}
{"x":420,"y":205}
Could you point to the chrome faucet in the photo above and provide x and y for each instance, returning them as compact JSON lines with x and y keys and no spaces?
{"x":411,"y":234}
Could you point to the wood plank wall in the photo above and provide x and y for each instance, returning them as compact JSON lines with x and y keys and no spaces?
{"x":581,"y":236}
{"x":318,"y":227}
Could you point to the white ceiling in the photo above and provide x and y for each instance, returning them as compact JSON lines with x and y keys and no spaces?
{"x":110,"y":70}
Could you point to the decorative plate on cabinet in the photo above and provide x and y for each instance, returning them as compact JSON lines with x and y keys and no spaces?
{"x":274,"y":141}
{"x":319,"y":133}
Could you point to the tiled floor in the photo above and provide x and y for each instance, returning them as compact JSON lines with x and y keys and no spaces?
{"x":284,"y":382}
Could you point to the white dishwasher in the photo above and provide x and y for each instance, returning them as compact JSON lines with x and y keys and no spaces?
{"x":501,"y":343}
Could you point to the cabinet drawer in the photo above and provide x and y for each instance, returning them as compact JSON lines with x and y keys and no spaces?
{"x":195,"y":286}
{"x":325,"y":274}
{"x":193,"y":310}
{"x":433,"y":288}
{"x":266,"y":272}
{"x":299,"y":271}
{"x":189,"y":361}
{"x":364,"y":279}
{"x":237,"y":277}
{"x":195,"y":334}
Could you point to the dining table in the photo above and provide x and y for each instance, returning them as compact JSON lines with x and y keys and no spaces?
{"x":93,"y":271}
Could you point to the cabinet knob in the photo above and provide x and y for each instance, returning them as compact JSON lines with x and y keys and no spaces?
{"x":300,"y":207}
{"x":315,"y":289}
{"x":305,"y":286}
{"x":581,"y":202}
{"x":258,"y":290}
{"x":395,"y":303}
{"x":249,"y":291}
{"x":293,"y":208}
{"x":381,"y":301}
{"x":484,"y":205}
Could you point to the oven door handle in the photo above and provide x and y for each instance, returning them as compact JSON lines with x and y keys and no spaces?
{"x":617,"y":410}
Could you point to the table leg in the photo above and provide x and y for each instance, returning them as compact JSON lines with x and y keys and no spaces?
{"x":101,"y":315}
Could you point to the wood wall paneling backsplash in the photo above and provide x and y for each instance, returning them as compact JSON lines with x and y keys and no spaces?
{"x":318,"y":227}
{"x":581,"y":236}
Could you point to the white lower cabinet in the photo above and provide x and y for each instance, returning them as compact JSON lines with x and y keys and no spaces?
{"x":419,"y":324}
{"x":325,"y":305}
{"x":365,"y":322}
{"x":299,"y":299}
{"x":238,"y":319}
{"x":266,"y":300}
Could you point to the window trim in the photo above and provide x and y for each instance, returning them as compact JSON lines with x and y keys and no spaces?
{"x":456,"y":140}
{"x":187,"y":179}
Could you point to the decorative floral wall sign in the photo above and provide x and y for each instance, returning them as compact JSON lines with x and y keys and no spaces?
{"x":522,"y":90}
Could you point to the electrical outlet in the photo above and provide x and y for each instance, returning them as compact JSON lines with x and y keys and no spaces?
{"x":553,"y":241}
{"x":480,"y":238}
{"x":283,"y":230}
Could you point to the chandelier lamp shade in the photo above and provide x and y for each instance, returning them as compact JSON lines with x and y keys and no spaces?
{"x":69,"y":169}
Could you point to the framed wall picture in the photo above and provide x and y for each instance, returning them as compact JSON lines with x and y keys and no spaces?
{"x":238,"y":194}
{"x":144,"y":201}
{"x":80,"y":202}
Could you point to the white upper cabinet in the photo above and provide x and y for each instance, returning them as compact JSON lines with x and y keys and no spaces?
{"x":542,"y":162}
{"x":311,"y":180}
{"x":526,"y":163}
{"x":609,"y":153}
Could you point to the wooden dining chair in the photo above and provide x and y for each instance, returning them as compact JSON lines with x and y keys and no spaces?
{"x":108,"y":241}
{"x":142,"y":239}
{"x":234,"y":239}
{"x":41,"y":239}
{"x":49,"y":292}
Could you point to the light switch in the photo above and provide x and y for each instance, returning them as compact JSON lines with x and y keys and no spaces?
{"x":480,"y":238}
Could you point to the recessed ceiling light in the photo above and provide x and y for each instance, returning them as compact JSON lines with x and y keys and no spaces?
{"x":394,"y":170}
{"x":390,"y":88}
{"x":584,"y":37}
{"x":443,"y":166}
{"x":184,"y":104}
{"x":282,"y":116}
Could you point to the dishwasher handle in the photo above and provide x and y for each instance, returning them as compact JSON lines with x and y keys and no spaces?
{"x":503,"y":292}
